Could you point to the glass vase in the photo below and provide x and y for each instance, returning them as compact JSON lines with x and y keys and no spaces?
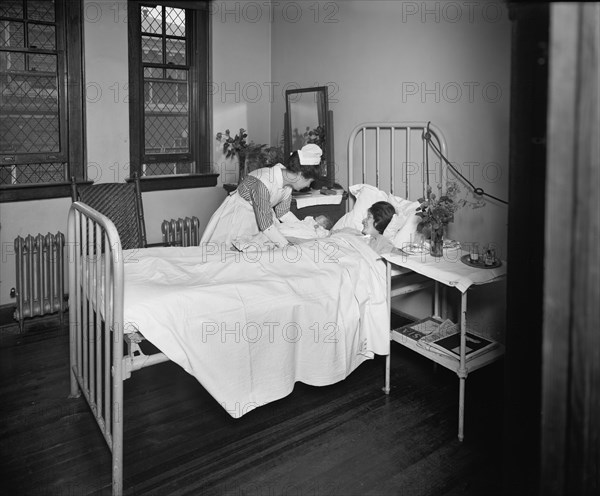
{"x":437,"y":242}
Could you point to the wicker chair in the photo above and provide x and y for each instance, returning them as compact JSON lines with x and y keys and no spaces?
{"x":121,"y":203}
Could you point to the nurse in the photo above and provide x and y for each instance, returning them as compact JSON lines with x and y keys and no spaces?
{"x":263,"y":199}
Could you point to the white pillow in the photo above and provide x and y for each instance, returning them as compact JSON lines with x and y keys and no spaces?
{"x":365,"y":195}
{"x":404,"y":221}
{"x":394,"y":226}
{"x":407,"y":209}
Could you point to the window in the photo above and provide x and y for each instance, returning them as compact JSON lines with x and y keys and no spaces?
{"x":168,"y":47}
{"x":41,"y":137}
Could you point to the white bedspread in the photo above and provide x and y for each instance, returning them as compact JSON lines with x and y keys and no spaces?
{"x":250,"y":325}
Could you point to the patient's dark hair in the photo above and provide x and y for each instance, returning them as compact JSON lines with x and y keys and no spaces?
{"x":308,"y":171}
{"x":382,"y":213}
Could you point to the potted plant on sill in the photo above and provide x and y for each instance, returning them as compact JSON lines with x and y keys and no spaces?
{"x":250,"y":155}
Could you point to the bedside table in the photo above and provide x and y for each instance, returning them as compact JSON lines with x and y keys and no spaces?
{"x":449,"y":271}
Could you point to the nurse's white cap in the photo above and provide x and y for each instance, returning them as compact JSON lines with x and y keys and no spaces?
{"x":310,"y":154}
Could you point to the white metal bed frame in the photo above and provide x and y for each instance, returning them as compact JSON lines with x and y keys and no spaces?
{"x":98,"y":365}
{"x":407,"y":130}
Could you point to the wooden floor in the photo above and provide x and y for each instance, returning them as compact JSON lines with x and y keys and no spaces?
{"x":344,"y":439}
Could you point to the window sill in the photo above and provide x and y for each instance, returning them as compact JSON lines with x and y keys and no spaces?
{"x":149,"y":183}
{"x":27,"y":192}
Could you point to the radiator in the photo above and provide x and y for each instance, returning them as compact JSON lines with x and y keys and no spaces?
{"x":181,"y":232}
{"x":40,"y":276}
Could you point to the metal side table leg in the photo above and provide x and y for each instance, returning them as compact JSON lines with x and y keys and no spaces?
{"x":462,"y":369}
{"x":388,"y":274}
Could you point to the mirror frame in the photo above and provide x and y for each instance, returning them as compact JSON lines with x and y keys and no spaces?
{"x":325,"y":118}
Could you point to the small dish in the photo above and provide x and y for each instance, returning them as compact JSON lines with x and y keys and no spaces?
{"x":450,"y":244}
{"x":415,"y":249}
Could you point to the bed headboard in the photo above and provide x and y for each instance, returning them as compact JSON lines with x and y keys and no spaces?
{"x":393,"y":156}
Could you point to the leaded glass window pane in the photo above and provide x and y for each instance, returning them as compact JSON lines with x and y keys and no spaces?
{"x":42,"y":36}
{"x":40,"y":10}
{"x":166,"y":96}
{"x":165,"y":134}
{"x":153,"y":72}
{"x":11,"y":8}
{"x":12,"y":34}
{"x":12,"y":61}
{"x":175,"y":51}
{"x":175,"y":21}
{"x":152,"y":51}
{"x":33,"y":173}
{"x":176,"y":74}
{"x":30,"y":101}
{"x":168,"y":168}
{"x":166,"y":90}
{"x":151,"y":20}
{"x":30,"y":113}
{"x":41,"y":62}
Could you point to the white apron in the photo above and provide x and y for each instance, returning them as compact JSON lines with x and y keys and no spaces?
{"x":235,"y":217}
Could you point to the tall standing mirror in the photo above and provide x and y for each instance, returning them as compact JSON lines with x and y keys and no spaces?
{"x":309,"y":120}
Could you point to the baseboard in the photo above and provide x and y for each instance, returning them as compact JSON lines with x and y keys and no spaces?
{"x":7,"y":315}
{"x":9,"y":325}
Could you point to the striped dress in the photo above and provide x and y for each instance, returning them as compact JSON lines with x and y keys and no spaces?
{"x":259,"y":201}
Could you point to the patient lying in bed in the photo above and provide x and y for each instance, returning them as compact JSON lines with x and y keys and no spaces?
{"x":378,"y":217}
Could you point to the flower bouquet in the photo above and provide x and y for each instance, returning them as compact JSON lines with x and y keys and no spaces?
{"x":436,"y":212}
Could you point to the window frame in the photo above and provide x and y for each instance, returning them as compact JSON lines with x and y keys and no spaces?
{"x":198,"y":47}
{"x":69,"y":23}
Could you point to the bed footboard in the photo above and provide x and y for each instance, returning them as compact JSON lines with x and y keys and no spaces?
{"x":96,"y":324}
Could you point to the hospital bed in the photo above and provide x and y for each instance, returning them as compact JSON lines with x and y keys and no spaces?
{"x":247,"y":325}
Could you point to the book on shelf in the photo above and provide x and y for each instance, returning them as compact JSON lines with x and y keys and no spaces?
{"x":448,"y":342}
{"x":419,"y":329}
{"x":443,"y":337}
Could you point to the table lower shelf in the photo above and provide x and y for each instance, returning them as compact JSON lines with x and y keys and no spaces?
{"x":447,"y":361}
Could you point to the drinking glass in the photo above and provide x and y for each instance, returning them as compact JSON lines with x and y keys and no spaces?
{"x":474,"y":253}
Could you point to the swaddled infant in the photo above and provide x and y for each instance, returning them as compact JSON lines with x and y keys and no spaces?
{"x":307,"y":228}
{"x":294,"y":230}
